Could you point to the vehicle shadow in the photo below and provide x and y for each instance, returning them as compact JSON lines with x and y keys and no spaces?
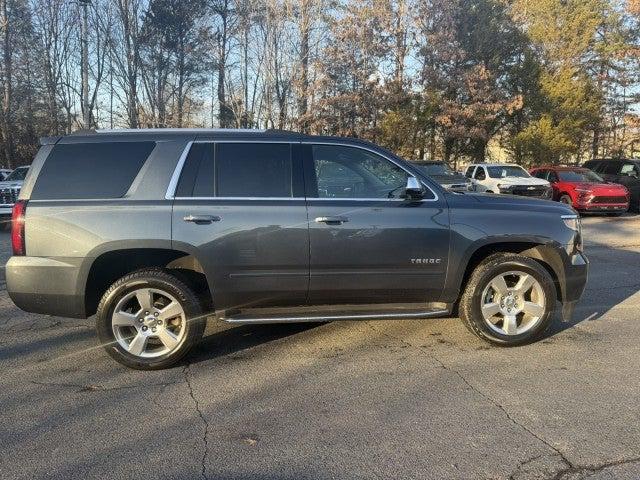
{"x":611,"y":274}
{"x":228,"y":340}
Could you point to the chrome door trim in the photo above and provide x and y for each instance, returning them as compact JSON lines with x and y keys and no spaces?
{"x":335,"y":317}
{"x":175,"y":177}
{"x":173,"y":183}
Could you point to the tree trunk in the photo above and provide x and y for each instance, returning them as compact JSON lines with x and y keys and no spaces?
{"x":225,"y":114}
{"x":303,"y":94}
{"x":7,"y":124}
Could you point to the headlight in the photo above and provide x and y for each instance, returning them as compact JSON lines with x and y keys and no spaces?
{"x":505,"y":187}
{"x":575,"y":224}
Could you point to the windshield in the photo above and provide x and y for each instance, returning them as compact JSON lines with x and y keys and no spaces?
{"x":585,"y":176}
{"x":508,"y":171}
{"x":435,"y":169}
{"x":17,"y":174}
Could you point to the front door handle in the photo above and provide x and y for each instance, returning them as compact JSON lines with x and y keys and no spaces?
{"x":338,"y":220}
{"x":202,"y":219}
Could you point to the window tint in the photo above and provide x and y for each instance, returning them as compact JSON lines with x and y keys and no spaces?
{"x":253,"y":170}
{"x":609,"y":168}
{"x":508,"y":171}
{"x":596,"y":167}
{"x":351,"y":172}
{"x":436,"y":169}
{"x":480,"y":174}
{"x":586,"y":176}
{"x":540,"y":174}
{"x":18,"y":174}
{"x":90,"y":170}
{"x":553,"y":177}
{"x":469,"y":172}
{"x":197,"y":177}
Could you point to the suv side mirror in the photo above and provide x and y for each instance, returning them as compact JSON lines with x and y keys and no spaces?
{"x":413,"y":188}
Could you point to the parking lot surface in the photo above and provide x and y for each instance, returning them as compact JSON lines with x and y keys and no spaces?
{"x":375,"y":399}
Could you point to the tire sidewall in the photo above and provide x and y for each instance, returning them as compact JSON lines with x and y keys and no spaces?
{"x":128,"y":284}
{"x":568,"y":197}
{"x":513,"y":265}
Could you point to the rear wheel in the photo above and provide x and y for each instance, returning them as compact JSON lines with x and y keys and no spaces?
{"x":509,"y":300}
{"x":149,"y":320}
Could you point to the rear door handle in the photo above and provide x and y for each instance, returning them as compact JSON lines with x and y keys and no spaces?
{"x":202,"y":219}
{"x":338,"y":220}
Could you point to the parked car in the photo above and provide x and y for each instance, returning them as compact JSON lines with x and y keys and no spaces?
{"x":10,"y":189}
{"x":153,"y":231}
{"x":584,"y":190}
{"x":624,"y":172}
{"x":4,"y":173}
{"x":445,"y":176}
{"x":507,"y":178}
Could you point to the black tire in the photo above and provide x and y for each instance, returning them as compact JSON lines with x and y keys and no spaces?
{"x":566,"y":199}
{"x":470,"y":302}
{"x":161,"y":280}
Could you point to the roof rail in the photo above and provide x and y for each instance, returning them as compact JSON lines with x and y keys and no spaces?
{"x":89,"y":131}
{"x":177,"y":130}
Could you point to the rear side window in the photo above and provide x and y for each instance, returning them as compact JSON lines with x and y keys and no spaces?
{"x":259,"y":170}
{"x":197,"y":177}
{"x":609,"y":168}
{"x":592,"y":165}
{"x":253,"y":170}
{"x":90,"y":170}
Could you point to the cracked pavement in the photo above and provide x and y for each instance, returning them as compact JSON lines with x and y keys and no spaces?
{"x":418,"y":399}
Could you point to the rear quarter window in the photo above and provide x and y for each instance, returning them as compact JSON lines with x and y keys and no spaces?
{"x":90,"y":170}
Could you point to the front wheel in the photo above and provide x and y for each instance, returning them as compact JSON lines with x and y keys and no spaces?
{"x":149,"y":320}
{"x":509,"y":300}
{"x":566,"y":199}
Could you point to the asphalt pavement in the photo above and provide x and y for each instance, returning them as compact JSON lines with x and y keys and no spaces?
{"x":419,"y":399}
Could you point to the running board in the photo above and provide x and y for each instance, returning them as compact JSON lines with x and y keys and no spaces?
{"x":248,"y":319}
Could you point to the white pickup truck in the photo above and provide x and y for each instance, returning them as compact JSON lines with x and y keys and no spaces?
{"x":10,"y":189}
{"x":507,"y":178}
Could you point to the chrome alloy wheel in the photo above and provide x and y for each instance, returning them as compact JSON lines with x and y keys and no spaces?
{"x":148,"y":323}
{"x":513,"y":303}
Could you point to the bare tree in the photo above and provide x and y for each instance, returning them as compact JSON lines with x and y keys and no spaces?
{"x":7,"y":97}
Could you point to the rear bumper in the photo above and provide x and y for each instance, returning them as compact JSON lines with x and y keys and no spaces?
{"x":44,"y":285}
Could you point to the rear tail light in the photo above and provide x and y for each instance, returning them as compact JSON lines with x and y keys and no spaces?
{"x":17,"y":227}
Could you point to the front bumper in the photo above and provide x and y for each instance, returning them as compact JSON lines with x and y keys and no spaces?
{"x":576,"y":272}
{"x":45,"y":285}
{"x":602,"y":207}
{"x":531,"y":191}
{"x":458,"y":187}
{"x":6,"y":210}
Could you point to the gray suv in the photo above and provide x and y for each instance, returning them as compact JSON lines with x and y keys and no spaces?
{"x":154,"y":231}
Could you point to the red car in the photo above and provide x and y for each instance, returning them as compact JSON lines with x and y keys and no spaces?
{"x":584,"y":189}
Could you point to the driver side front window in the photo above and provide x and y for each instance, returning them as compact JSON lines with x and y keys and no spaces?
{"x":354,"y":173}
